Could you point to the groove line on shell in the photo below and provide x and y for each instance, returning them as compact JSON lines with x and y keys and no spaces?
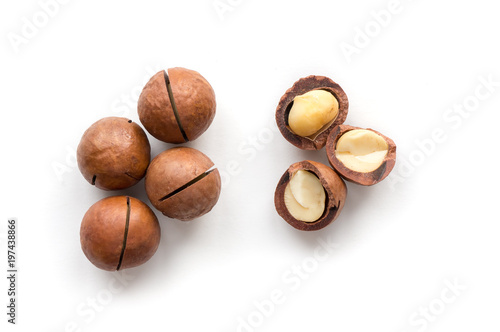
{"x":127,"y":221}
{"x":190,"y":183}
{"x":174,"y":106}
{"x":130,"y":175}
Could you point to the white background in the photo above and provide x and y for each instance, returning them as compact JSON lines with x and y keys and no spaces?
{"x":399,"y":245}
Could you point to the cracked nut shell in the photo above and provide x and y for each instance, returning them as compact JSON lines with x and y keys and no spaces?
{"x":177,"y":106}
{"x":113,"y":153}
{"x":335,"y":189}
{"x":365,"y":179}
{"x":119,"y":232}
{"x":300,"y":87}
{"x":182,"y":183}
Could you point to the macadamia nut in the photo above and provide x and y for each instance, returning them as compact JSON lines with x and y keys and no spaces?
{"x":177,"y":105}
{"x":312,"y":111}
{"x":305,"y":196}
{"x":309,"y":110}
{"x":119,"y":232}
{"x":183,"y":183}
{"x":361,"y":150}
{"x":309,"y":195}
{"x":113,"y":153}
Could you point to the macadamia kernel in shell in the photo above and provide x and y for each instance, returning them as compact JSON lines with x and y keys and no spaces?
{"x":312,"y":111}
{"x":361,"y":150}
{"x":305,"y":196}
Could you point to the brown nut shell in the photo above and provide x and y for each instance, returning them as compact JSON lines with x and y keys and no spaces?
{"x":195,"y":101}
{"x":335,"y":189}
{"x":113,"y":153}
{"x":156,"y":112}
{"x":177,"y":105}
{"x":119,"y":232}
{"x":365,"y":179}
{"x":182,"y":183}
{"x":300,"y":87}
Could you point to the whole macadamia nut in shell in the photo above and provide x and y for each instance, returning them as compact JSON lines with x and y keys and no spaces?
{"x":119,"y":232}
{"x":182,"y":183}
{"x":113,"y":153}
{"x":177,"y":105}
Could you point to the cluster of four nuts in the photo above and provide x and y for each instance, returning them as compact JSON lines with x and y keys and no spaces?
{"x":114,"y":153}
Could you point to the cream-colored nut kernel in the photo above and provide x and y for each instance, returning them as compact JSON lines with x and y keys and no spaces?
{"x":305,"y":196}
{"x":313,"y":111}
{"x":361,"y":150}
